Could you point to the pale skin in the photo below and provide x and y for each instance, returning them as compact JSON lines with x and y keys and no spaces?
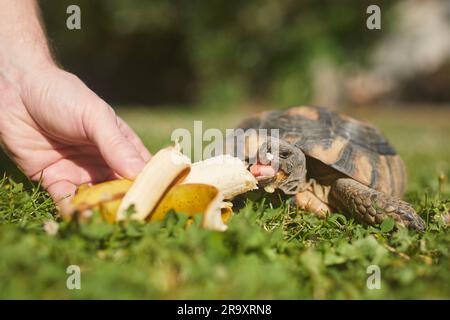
{"x":51,"y":124}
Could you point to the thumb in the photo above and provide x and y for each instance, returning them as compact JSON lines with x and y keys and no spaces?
{"x":118,"y":152}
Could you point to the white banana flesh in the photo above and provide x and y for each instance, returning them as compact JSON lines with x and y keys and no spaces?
{"x":227,"y":173}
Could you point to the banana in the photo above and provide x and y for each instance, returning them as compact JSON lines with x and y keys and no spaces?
{"x":170,"y":182}
{"x":194,"y":199}
{"x":190,"y":199}
{"x":88,"y":197}
{"x":226,"y":210}
{"x":212,"y":218}
{"x":226,"y":173}
{"x":165,"y":169}
{"x":108,"y":210}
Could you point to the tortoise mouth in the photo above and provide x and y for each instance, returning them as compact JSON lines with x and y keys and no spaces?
{"x":265,"y":181}
{"x":266,"y":174}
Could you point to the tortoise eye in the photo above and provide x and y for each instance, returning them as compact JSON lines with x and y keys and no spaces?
{"x":284,"y":154}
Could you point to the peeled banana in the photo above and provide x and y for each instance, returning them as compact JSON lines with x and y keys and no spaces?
{"x":170,"y":182}
{"x":166,"y":168}
{"x":225,"y":172}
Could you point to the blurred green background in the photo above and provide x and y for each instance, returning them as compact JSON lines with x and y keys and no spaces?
{"x":223,"y":53}
{"x":217,"y":53}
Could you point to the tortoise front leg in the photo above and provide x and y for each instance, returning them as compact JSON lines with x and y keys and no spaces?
{"x":371,"y":206}
{"x":307,"y":201}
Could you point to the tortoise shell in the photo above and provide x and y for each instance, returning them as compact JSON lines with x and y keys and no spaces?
{"x":353,"y":148}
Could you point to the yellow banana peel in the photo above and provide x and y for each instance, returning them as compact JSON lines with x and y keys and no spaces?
{"x":88,"y":197}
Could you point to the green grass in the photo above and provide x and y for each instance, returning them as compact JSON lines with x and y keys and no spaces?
{"x":269,"y":251}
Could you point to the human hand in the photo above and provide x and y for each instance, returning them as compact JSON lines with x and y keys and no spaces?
{"x":52,"y":125}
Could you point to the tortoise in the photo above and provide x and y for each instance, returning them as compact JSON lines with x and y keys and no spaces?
{"x":330,"y":162}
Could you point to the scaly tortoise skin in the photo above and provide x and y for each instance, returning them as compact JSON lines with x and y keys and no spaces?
{"x":333,"y":162}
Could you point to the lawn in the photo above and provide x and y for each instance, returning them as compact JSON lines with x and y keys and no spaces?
{"x":271,"y":250}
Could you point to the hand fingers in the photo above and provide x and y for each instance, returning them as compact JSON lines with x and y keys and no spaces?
{"x":119,"y":153}
{"x":135,"y":140}
{"x":62,"y":186}
{"x":77,"y":172}
{"x":62,"y":192}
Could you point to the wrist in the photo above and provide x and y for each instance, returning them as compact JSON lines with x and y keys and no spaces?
{"x":14,"y":65}
{"x":23,"y":44}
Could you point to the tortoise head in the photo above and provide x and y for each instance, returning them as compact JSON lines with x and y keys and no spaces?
{"x":280,"y":165}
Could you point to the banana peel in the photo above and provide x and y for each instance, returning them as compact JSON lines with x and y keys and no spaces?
{"x":192,"y":199}
{"x":108,"y":210}
{"x":164,"y":170}
{"x":169,"y":182}
{"x":89,"y":197}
